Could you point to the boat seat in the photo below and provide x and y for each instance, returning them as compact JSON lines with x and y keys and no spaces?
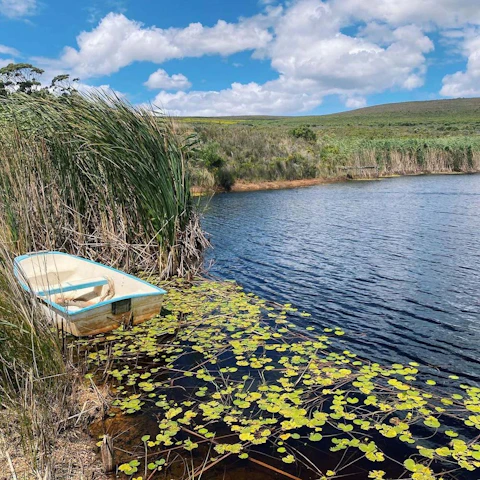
{"x":70,"y":286}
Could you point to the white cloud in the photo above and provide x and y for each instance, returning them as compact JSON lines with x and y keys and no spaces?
{"x":117,"y":42}
{"x":107,"y":90}
{"x":442,"y":13}
{"x":4,"y":50}
{"x":5,"y":61}
{"x":162,"y":80}
{"x":314,"y":59}
{"x":356,"y":102}
{"x":309,"y":45}
{"x":467,"y":83}
{"x":349,"y":48}
{"x":17,"y":8}
{"x":240,"y":99}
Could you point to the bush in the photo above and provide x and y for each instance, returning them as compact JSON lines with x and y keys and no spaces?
{"x":304,"y":132}
{"x":225,"y":178}
{"x":210,"y":157}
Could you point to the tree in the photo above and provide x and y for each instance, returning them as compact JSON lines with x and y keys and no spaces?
{"x":19,"y":77}
{"x":61,"y":85}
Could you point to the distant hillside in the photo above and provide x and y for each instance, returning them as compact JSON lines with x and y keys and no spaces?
{"x":431,"y":108}
{"x":445,"y":111}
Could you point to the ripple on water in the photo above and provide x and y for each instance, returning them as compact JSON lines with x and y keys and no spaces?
{"x":395,"y":263}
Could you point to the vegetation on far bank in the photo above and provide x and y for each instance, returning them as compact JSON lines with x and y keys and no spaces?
{"x":408,"y":138}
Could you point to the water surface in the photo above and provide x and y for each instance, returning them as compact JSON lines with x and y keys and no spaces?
{"x":395,"y":263}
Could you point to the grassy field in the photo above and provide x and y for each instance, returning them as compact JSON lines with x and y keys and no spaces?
{"x":413,"y":137}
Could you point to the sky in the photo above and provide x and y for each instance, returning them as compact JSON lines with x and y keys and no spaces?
{"x":252,"y":57}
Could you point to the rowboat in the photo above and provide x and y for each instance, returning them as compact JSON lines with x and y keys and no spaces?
{"x":83,"y":297}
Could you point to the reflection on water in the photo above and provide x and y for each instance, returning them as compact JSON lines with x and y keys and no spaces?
{"x":396,"y":263}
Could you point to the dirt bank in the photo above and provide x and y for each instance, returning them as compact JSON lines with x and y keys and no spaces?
{"x":308,"y":182}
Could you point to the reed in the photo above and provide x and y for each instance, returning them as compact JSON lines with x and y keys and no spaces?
{"x":270,"y":152}
{"x":91,"y":176}
{"x":96,"y":177}
{"x":35,"y":382}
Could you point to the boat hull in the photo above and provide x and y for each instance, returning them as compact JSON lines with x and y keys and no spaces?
{"x":84,"y":298}
{"x":102,"y":320}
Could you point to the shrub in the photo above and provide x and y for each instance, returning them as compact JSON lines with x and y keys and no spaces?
{"x":304,"y":132}
{"x":225,"y":178}
{"x":210,"y":157}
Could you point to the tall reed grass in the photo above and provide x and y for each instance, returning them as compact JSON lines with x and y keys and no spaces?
{"x":35,"y":382}
{"x":265,"y":152}
{"x":96,"y":177}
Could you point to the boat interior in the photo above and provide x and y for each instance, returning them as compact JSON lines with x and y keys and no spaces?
{"x":75,"y":283}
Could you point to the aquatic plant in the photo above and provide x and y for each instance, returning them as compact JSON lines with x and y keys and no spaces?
{"x":230,"y":375}
{"x":95,"y":176}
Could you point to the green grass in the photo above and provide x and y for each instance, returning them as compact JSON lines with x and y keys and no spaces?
{"x":96,"y":177}
{"x":412,"y":137}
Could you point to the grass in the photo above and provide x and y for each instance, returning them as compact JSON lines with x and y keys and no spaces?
{"x":35,"y":382}
{"x":407,"y":138}
{"x":96,"y":177}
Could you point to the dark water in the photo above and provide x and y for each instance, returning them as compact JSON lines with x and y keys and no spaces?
{"x":395,"y":263}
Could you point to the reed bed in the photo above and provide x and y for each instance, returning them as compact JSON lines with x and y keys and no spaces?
{"x":34,"y":378}
{"x":96,"y":177}
{"x":262,"y":152}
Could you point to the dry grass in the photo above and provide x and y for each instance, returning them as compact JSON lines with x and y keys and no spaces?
{"x":72,"y":453}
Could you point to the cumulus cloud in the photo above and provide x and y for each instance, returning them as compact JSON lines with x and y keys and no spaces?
{"x":309,"y":45}
{"x":356,"y":102}
{"x":314,"y":59}
{"x":349,"y":48}
{"x":429,"y":13}
{"x":17,"y":8}
{"x":5,"y":61}
{"x":118,"y":41}
{"x":4,"y":50}
{"x":467,"y":83}
{"x":240,"y":99}
{"x":162,"y":80}
{"x":107,"y":90}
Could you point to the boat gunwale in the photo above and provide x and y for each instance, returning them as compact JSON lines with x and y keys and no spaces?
{"x":63,"y":310}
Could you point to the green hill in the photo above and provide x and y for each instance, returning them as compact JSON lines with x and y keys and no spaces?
{"x":464,"y":107}
{"x":433,"y":119}
{"x":464,"y":113}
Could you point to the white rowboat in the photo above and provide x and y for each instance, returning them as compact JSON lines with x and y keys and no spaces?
{"x":85,"y":297}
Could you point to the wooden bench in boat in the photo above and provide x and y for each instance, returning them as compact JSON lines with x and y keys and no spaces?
{"x":73,"y":285}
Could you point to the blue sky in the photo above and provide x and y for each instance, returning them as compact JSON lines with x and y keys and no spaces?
{"x":212,"y":57}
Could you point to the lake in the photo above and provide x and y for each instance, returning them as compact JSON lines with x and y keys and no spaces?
{"x":395,"y":263}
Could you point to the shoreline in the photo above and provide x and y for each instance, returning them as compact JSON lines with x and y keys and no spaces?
{"x":307,"y":182}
